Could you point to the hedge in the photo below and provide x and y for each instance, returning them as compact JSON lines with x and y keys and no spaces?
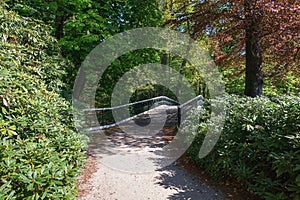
{"x":259,"y":146}
{"x":41,"y":153}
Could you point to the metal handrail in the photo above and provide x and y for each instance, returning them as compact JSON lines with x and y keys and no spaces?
{"x":134,"y":103}
{"x":163,"y":100}
{"x":197,"y":98}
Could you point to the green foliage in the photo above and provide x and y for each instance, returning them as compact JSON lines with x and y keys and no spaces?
{"x":96,"y":21}
{"x":233,"y":84}
{"x":87,"y":27}
{"x":119,"y":67}
{"x":287,"y":84}
{"x":259,"y":145}
{"x":41,"y":153}
{"x":28,"y":43}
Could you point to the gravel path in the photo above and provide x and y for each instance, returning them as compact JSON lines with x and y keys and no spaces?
{"x":120,"y":175}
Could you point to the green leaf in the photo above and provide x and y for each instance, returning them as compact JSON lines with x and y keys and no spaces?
{"x":4,"y":111}
{"x":11,"y":132}
{"x":298,"y":180}
{"x":297,"y":168}
{"x":5,"y":103}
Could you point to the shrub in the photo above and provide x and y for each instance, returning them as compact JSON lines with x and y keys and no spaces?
{"x":41,"y":153}
{"x":259,"y":145}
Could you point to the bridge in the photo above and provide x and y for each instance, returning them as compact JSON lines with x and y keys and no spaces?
{"x":146,"y":138}
{"x":141,"y":113}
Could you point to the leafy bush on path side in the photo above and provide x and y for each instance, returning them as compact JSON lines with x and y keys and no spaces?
{"x":41,"y":153}
{"x":259,"y":145}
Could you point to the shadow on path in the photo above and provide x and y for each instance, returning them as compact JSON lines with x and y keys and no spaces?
{"x":122,"y":159}
{"x":115,"y":140}
{"x":175,"y":177}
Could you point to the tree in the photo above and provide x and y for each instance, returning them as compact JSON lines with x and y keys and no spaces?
{"x":80,"y":25}
{"x":261,"y":35}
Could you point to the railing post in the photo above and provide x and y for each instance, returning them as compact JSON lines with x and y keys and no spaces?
{"x":178,"y":115}
{"x":102,"y":118}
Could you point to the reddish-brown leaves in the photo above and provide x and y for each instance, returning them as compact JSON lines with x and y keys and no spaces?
{"x":224,"y":21}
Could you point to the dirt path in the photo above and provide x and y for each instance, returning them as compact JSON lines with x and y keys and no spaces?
{"x":125,"y":167}
{"x":172,"y":182}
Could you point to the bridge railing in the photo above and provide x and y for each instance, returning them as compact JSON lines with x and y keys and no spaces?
{"x":105,"y":119}
{"x":184,"y":109}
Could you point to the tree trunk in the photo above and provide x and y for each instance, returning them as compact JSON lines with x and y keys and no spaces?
{"x":254,"y":75}
{"x":164,"y":62}
{"x":180,"y":78}
{"x":59,"y":23}
{"x":79,"y":84}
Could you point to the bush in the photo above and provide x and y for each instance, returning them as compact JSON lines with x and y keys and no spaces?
{"x":259,"y":145}
{"x":41,"y":153}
